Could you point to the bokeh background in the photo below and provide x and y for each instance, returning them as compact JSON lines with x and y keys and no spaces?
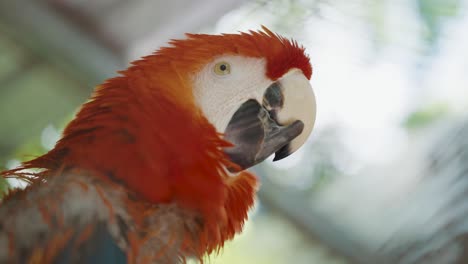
{"x":383,"y":178}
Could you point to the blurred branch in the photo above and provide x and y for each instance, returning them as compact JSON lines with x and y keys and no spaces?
{"x":445,"y":188}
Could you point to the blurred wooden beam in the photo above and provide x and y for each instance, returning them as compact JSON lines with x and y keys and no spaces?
{"x":147,"y":24}
{"x":170,"y":20}
{"x":49,"y":34}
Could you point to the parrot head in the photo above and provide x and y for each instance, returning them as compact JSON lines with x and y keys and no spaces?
{"x":256,"y":92}
{"x":258,"y":114}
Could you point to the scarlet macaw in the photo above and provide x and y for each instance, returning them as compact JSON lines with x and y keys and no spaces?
{"x":152,"y":168}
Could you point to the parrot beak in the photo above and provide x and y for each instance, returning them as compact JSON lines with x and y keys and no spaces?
{"x":279,"y":125}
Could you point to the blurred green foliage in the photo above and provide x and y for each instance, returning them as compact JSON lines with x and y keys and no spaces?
{"x":435,"y":12}
{"x":34,"y":95}
{"x":3,"y":186}
{"x":426,"y":116}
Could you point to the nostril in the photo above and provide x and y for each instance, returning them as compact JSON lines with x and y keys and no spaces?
{"x":273,"y":97}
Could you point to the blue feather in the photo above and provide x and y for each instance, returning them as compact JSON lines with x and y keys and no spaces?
{"x":100,"y":248}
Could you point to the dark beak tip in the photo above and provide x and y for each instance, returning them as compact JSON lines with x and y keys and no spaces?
{"x":285,"y":151}
{"x":282,"y":153}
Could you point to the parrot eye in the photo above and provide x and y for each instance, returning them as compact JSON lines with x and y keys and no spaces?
{"x":222,"y":68}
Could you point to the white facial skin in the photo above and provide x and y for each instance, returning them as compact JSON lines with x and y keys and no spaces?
{"x":219,"y":96}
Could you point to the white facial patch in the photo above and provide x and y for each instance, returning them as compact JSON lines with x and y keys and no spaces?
{"x":219,"y":96}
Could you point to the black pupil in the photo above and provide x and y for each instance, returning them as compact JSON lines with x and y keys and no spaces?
{"x":223,"y":67}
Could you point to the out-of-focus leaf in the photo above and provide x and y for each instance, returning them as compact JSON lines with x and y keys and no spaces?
{"x":433,"y":14}
{"x":426,"y":116}
{"x":3,"y":186}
